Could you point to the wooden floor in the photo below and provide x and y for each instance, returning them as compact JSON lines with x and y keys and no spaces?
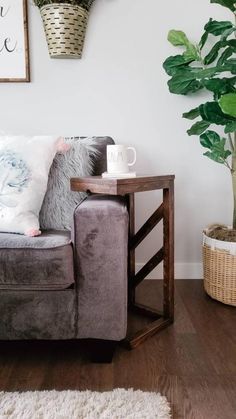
{"x":192,"y":362}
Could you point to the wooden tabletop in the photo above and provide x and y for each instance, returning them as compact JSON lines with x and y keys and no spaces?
{"x":141,"y":183}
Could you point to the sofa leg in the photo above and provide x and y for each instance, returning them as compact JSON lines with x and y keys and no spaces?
{"x":101,"y":351}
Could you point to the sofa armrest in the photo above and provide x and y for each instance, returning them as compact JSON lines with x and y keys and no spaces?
{"x":101,"y":245}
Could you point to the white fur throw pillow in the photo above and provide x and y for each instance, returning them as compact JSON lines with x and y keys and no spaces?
{"x":24,"y":167}
{"x":60,"y":202}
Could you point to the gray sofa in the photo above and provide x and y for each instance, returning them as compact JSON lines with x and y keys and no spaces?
{"x":64,"y":285}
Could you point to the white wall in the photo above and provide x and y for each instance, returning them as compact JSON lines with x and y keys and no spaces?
{"x":119,"y":89}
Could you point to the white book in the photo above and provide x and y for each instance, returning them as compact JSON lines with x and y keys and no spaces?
{"x":107,"y":175}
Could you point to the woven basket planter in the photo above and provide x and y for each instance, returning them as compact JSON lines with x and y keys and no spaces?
{"x":219,"y":265}
{"x":65,"y":27}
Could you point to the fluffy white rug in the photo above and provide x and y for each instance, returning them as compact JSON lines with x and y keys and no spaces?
{"x":116,"y":404}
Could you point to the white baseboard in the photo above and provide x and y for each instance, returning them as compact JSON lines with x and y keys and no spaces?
{"x":182,"y":271}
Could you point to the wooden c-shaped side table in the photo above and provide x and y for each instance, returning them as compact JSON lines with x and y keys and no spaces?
{"x":128,"y":187}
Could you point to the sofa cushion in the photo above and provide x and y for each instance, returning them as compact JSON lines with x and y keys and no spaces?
{"x":100,"y":161}
{"x":59,"y":202}
{"x":38,"y":263}
{"x":86,"y":156}
{"x":24,"y":166}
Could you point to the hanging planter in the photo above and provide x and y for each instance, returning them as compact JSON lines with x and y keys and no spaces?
{"x":65,"y":26}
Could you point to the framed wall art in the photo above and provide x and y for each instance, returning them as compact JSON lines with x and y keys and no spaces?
{"x":14,"y":44}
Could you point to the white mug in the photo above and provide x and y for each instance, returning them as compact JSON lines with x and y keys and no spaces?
{"x":117,"y":158}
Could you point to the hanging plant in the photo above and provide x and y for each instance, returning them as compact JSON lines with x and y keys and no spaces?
{"x":65,"y":24}
{"x":85,"y":4}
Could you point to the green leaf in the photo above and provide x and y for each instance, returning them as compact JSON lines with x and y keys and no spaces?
{"x":216,"y":145}
{"x":203,"y":40}
{"x":191,"y":53}
{"x":191,"y":79}
{"x":230,"y":4}
{"x":228,"y":153}
{"x":211,"y":112}
{"x":183,"y":86}
{"x":194,"y":113}
{"x":198,"y":128}
{"x":217,"y":28}
{"x":214,"y":156}
{"x":226,"y":33}
{"x":184,"y":82}
{"x":209,"y":138}
{"x":218,"y":153}
{"x":232,"y":43}
{"x":199,"y":73}
{"x":228,"y":104}
{"x":208,"y":72}
{"x":214,"y":27}
{"x":213,"y":54}
{"x":177,"y":38}
{"x":172,"y":64}
{"x":231,"y":65}
{"x":231,"y":127}
{"x":220,"y":86}
{"x":225,"y":55}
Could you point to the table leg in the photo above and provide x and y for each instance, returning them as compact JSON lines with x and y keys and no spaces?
{"x":160,"y":320}
{"x":168,"y":239}
{"x":131,"y":261}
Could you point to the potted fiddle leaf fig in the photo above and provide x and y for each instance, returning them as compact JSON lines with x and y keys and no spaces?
{"x":197,"y":67}
{"x":65,"y":23}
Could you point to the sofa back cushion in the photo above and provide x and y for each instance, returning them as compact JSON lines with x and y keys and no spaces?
{"x":86,"y":157}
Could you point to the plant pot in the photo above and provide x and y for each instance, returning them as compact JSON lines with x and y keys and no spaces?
{"x":65,"y":27}
{"x":219,"y":266}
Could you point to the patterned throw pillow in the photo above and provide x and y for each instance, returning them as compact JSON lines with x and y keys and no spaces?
{"x":24,"y":167}
{"x":60,"y":202}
